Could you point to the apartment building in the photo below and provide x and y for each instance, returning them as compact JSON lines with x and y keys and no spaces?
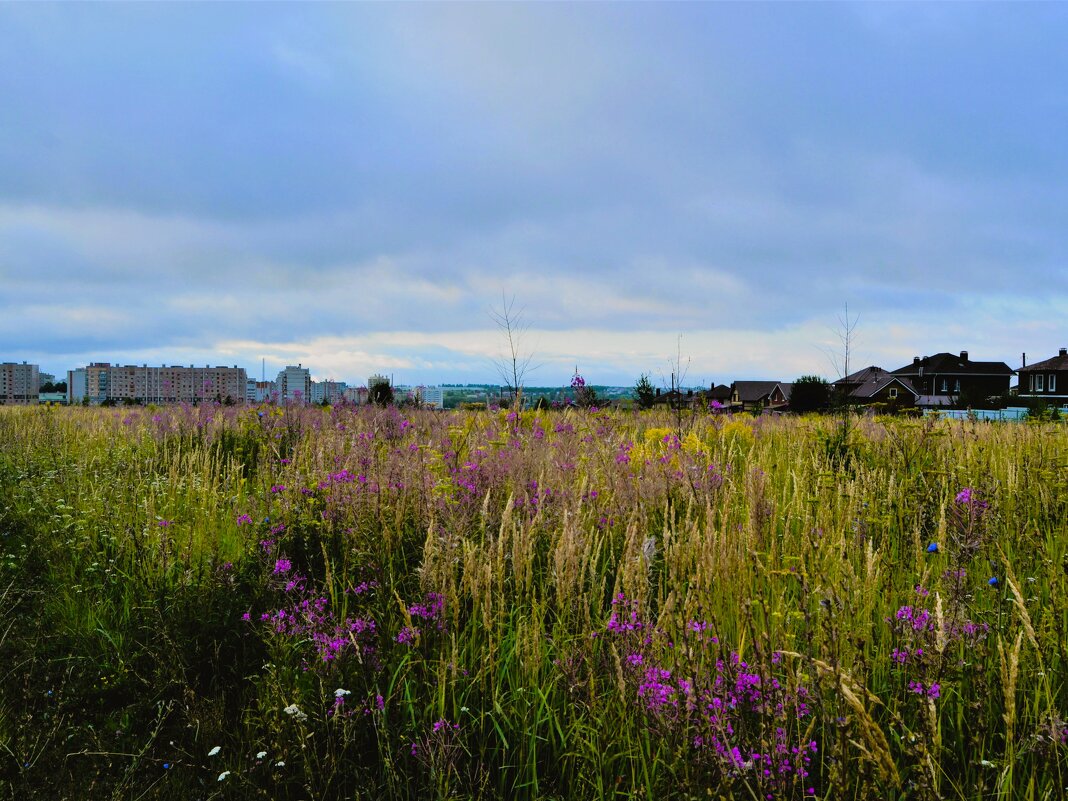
{"x":430,"y":397}
{"x":102,"y":381}
{"x":294,"y":384}
{"x":328,"y":391}
{"x":259,"y":391}
{"x":19,"y":384}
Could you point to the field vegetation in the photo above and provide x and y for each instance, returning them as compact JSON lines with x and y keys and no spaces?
{"x":290,"y":603}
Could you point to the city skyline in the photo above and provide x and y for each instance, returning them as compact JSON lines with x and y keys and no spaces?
{"x":355,"y":187}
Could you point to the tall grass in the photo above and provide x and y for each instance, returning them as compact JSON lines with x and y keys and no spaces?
{"x":360,"y":603}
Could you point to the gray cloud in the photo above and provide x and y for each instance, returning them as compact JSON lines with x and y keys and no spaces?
{"x":176,"y":177}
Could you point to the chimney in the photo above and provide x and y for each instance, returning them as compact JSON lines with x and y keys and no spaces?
{"x":964,"y":355}
{"x":915,"y":359}
{"x":1023,"y":356}
{"x":1063,"y":352}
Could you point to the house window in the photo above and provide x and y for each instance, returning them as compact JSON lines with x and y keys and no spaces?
{"x":1032,"y":382}
{"x":1052,"y":382}
{"x":1039,"y":383}
{"x":945,"y":385}
{"x":956,"y":385}
{"x":893,"y":392}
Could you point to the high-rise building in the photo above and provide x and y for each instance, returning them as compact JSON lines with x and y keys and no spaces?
{"x":19,"y":383}
{"x":102,"y":382}
{"x":258,"y":391}
{"x":77,"y":388}
{"x":430,"y":397}
{"x":327,"y":391}
{"x":294,"y":384}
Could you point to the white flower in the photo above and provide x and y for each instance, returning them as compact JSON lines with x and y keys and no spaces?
{"x":261,"y":755}
{"x":279,"y":764}
{"x":294,"y":711}
{"x":339,"y":693}
{"x":215,"y":750}
{"x":223,"y":775}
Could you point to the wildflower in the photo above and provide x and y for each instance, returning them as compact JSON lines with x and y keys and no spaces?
{"x":261,"y":755}
{"x":223,"y":775}
{"x":214,"y":751}
{"x":166,"y":765}
{"x":244,"y":520}
{"x":294,"y":712}
{"x":339,"y":693}
{"x":165,"y":523}
{"x":279,"y":764}
{"x":282,"y":566}
{"x":276,"y":488}
{"x":932,"y":548}
{"x":993,"y":582}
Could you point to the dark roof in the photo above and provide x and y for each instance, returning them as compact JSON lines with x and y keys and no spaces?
{"x":720,"y":392}
{"x":862,"y":376}
{"x":753,"y":390}
{"x":952,"y":364}
{"x":786,"y":389}
{"x":878,"y":383}
{"x":1059,"y":362}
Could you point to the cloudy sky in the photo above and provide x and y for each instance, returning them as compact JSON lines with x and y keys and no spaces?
{"x":354,"y":187}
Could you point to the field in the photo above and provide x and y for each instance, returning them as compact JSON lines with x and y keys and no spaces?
{"x":364,"y":603}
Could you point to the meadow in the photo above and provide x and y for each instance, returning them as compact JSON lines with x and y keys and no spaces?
{"x":291,"y":603}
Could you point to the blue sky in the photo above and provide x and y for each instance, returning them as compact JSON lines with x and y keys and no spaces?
{"x":354,"y":186}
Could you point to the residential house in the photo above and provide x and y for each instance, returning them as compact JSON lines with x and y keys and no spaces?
{"x":718,"y":396}
{"x":876,"y":385}
{"x":944,"y":378}
{"x":751,"y":396}
{"x":779,"y":399}
{"x":1046,"y":380}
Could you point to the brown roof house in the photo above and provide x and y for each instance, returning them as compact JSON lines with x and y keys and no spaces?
{"x":717,"y":397}
{"x":943,"y":379}
{"x":752,"y":396}
{"x":779,"y":399}
{"x":875,"y":385}
{"x":1046,"y":380}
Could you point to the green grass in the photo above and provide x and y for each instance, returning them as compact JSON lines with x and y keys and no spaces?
{"x":790,"y":545}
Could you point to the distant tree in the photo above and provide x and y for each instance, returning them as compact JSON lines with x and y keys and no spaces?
{"x":585,"y":396}
{"x":810,"y":394}
{"x":542,"y":404}
{"x":644,"y":392}
{"x":380,"y":394}
{"x":513,"y":365}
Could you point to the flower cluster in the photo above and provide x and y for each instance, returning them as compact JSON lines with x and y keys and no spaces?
{"x":742,"y":722}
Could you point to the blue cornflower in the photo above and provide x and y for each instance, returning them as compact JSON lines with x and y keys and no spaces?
{"x":993,"y":581}
{"x":932,"y":548}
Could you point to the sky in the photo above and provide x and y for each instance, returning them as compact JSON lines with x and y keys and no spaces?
{"x":357,"y":188}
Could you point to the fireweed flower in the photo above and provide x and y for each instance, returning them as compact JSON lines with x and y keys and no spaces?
{"x":282,"y":566}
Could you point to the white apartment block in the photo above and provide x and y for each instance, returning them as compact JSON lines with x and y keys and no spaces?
{"x":258,"y":391}
{"x":328,"y":391}
{"x":294,"y":384}
{"x":102,"y":381}
{"x":77,"y":388}
{"x":357,"y":395}
{"x":20,"y":384}
{"x":430,"y":397}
